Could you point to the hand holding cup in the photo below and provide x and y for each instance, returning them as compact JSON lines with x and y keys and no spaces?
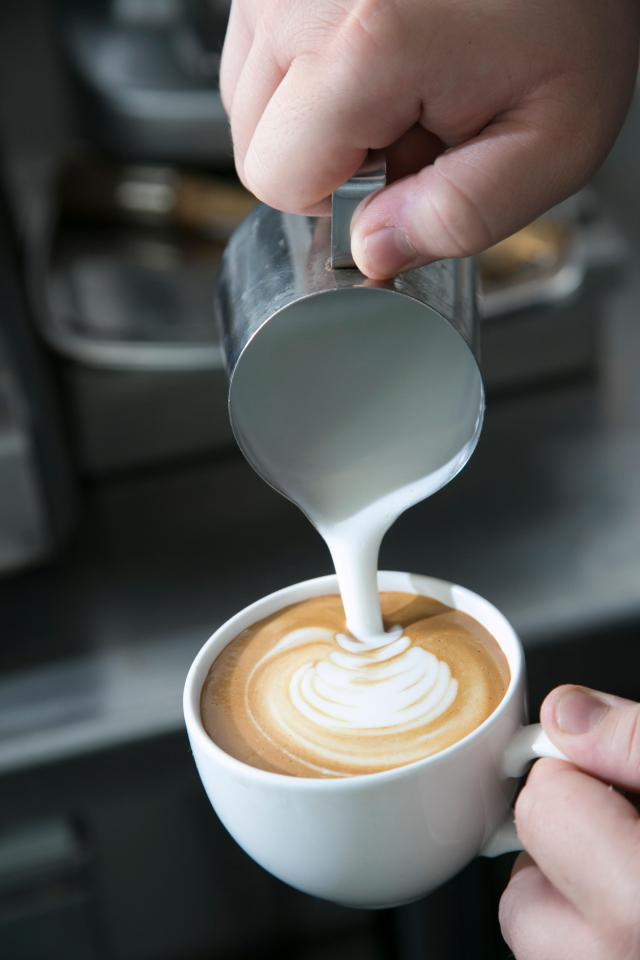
{"x":574,"y":893}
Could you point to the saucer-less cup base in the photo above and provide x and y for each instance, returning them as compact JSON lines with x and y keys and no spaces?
{"x":381,"y":839}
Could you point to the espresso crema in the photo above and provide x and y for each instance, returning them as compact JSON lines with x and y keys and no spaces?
{"x":296,"y":694}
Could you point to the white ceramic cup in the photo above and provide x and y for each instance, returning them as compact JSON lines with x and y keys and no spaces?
{"x":380,"y":839}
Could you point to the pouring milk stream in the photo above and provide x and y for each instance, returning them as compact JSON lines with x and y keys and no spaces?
{"x":354,"y":398}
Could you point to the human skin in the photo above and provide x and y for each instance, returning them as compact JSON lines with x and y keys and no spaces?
{"x":576,"y":891}
{"x":490,"y":111}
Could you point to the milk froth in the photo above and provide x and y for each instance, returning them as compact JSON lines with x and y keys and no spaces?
{"x":294,"y":694}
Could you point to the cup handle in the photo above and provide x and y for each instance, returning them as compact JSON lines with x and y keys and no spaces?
{"x":528,"y":744}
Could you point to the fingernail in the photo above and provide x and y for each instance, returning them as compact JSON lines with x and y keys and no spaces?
{"x":578,"y":711}
{"x":388,"y":251}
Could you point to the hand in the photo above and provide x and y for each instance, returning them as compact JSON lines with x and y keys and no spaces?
{"x":491,"y":111}
{"x":576,"y":892}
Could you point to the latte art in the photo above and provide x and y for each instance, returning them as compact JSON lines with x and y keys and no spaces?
{"x":295,"y":694}
{"x":396,"y":685}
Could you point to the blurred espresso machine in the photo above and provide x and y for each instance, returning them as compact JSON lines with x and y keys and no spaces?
{"x":120,"y":365}
{"x":36,"y":487}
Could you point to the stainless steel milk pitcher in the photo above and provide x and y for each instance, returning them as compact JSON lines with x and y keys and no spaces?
{"x":337,"y":380}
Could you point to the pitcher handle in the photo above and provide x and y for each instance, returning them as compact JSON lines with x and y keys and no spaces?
{"x":371,"y":176}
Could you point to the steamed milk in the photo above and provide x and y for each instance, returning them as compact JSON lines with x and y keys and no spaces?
{"x":355,"y":422}
{"x":354,"y":543}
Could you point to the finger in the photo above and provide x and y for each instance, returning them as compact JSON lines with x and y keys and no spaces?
{"x":237,"y":43}
{"x":585,"y":838}
{"x":316,"y":130}
{"x":415,"y":148}
{"x":599,"y":732}
{"x":538,"y":923}
{"x":256,"y":85}
{"x":471,"y":197}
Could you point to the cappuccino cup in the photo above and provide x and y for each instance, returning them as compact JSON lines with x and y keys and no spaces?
{"x":380,"y":839}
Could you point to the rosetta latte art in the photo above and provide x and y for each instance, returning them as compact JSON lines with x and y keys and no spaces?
{"x":394,"y":685}
{"x":296,"y":694}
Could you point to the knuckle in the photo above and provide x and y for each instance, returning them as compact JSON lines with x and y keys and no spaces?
{"x":313,"y":29}
{"x":523,"y":807}
{"x":528,"y":797}
{"x":533,"y":798}
{"x":508,"y":912}
{"x":368,"y":35}
{"x":360,"y":29}
{"x":463,"y":224}
{"x":513,"y":914}
{"x":262,"y":176}
{"x":258,"y":177}
{"x":626,"y":741}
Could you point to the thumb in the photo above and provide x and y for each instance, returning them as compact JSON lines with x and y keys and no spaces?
{"x":598,"y":732}
{"x":472,"y":196}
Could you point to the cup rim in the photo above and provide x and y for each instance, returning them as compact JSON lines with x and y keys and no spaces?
{"x":305,"y":589}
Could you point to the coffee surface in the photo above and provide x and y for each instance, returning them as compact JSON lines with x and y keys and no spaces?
{"x":296,"y":694}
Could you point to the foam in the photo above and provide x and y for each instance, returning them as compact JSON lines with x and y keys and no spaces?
{"x":296,"y":694}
